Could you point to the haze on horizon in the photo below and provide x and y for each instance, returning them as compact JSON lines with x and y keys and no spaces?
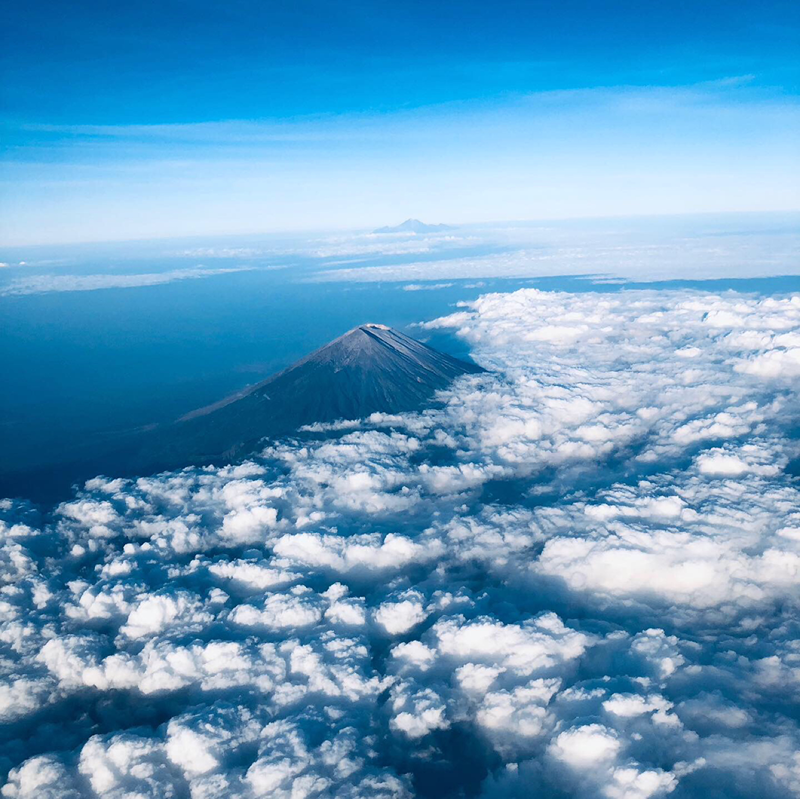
{"x":166,"y":120}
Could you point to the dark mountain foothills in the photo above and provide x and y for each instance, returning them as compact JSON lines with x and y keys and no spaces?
{"x":369,"y":369}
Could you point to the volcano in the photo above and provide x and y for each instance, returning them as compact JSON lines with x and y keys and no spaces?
{"x":369,"y":369}
{"x":413,"y":226}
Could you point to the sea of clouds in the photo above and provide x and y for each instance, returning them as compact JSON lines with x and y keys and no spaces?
{"x":576,"y":576}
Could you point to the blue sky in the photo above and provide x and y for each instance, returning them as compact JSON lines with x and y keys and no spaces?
{"x":174,"y":118}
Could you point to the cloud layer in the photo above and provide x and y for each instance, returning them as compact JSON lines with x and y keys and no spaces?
{"x":577,"y":576}
{"x":44,"y":284}
{"x":689,"y":248}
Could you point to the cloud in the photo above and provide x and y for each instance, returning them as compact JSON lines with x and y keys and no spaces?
{"x":575,"y":575}
{"x":426,"y":286}
{"x":631,"y":251}
{"x":45,"y":284}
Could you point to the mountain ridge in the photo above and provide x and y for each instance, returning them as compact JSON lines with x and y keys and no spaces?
{"x":412,"y":226}
{"x":370,"y":329}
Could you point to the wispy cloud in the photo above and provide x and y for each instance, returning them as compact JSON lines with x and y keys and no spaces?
{"x":426,"y":286}
{"x":714,"y":247}
{"x":43,"y":284}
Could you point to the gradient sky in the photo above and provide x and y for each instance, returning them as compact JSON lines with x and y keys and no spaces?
{"x":150,"y":119}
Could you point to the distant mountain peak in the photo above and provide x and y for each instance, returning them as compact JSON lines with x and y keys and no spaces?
{"x":412,"y":226}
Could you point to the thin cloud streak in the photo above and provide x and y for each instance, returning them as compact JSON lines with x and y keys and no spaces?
{"x":45,"y":284}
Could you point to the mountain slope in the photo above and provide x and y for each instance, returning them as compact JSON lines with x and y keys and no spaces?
{"x":372,"y":368}
{"x":369,"y":369}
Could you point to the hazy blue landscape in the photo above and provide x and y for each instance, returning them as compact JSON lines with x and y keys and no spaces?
{"x":400,"y":400}
{"x":98,"y":340}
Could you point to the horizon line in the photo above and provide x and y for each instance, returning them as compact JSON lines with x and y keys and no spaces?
{"x":370,"y":230}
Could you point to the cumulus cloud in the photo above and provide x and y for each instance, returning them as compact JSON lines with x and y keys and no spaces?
{"x":575,"y":576}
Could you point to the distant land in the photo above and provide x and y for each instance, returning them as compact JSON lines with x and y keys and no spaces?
{"x":412,"y":226}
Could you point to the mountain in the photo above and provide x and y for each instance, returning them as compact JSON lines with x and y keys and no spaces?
{"x":412,"y":226}
{"x":369,"y":369}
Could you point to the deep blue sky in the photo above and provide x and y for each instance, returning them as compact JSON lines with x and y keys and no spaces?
{"x":117,"y":63}
{"x":440,"y":89}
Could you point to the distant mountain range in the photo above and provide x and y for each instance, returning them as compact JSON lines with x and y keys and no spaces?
{"x":369,"y":369}
{"x":412,"y":226}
